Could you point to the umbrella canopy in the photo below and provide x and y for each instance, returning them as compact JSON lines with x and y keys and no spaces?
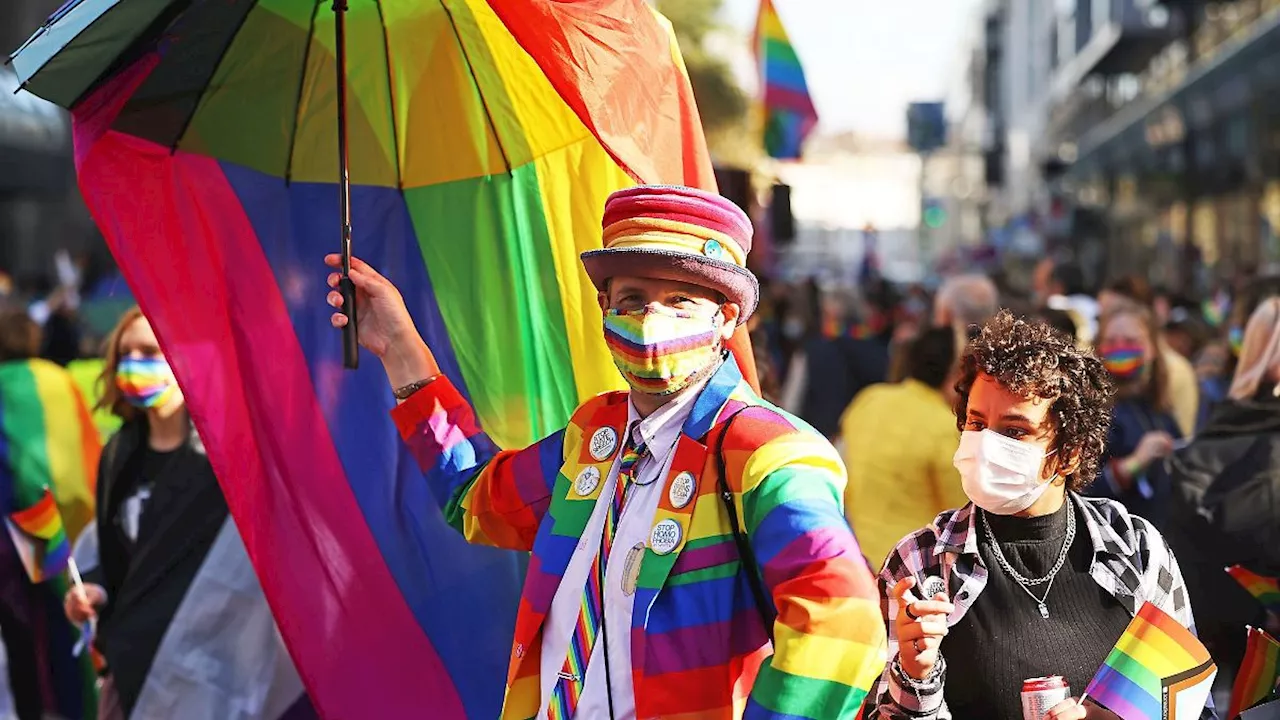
{"x":484,"y":138}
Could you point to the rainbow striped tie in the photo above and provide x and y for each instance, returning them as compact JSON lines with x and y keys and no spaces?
{"x":568,"y":688}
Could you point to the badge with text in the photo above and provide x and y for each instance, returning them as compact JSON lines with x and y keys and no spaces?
{"x":682,"y":489}
{"x":665,"y":536}
{"x":631,"y":569}
{"x":587,"y":481}
{"x":603,"y":442}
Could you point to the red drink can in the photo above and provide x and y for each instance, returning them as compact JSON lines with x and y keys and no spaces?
{"x":1039,"y":695}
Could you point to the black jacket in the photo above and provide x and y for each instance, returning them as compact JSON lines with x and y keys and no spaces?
{"x":146,"y":586}
{"x":1225,"y":510}
{"x":838,"y":370}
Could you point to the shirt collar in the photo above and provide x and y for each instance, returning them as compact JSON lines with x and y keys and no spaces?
{"x":956,"y":533}
{"x":662,"y":427}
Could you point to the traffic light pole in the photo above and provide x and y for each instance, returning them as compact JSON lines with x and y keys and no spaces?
{"x":924,"y":239}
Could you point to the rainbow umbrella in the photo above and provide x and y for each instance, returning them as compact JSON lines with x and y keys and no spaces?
{"x":483,"y":140}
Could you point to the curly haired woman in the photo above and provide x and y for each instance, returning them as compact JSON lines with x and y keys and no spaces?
{"x":1029,"y":579}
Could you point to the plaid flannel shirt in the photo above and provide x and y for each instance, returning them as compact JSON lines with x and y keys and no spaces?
{"x":1132,"y":562}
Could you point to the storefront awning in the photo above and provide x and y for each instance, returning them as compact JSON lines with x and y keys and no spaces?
{"x":1245,"y":69}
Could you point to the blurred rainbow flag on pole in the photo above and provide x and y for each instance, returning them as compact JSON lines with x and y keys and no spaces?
{"x":1158,"y":670}
{"x":788,"y":112}
{"x":1265,"y":589}
{"x":40,"y":539}
{"x":1258,"y":674}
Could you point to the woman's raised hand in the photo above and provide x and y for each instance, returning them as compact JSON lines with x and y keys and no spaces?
{"x":920,"y":625}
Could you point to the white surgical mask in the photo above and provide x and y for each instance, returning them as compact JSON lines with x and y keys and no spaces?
{"x":1000,"y":474}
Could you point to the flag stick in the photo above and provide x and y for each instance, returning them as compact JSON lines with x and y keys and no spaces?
{"x":75,"y":575}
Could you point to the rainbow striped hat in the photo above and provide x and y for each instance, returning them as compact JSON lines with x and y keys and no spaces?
{"x":672,"y":232}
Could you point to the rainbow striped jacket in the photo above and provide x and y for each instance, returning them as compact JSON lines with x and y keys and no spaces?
{"x":699,"y":649}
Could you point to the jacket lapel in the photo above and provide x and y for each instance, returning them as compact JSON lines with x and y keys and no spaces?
{"x":687,"y":508}
{"x":578,"y":487}
{"x":582,"y":479}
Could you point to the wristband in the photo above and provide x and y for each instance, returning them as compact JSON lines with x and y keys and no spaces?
{"x":928,"y":683}
{"x":403,"y":393}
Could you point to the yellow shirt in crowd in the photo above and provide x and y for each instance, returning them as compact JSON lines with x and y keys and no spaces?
{"x":1184,"y":389}
{"x":898,"y":441}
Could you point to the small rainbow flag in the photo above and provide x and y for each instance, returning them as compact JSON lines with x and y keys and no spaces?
{"x":1265,"y":589}
{"x":1258,"y":674}
{"x":1216,"y":308}
{"x":789,"y":114}
{"x":42,"y":543}
{"x":1157,"y":671}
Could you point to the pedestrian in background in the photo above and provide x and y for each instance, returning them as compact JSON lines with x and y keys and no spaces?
{"x":898,"y":441}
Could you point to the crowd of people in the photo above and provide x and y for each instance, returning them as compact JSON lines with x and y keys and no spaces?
{"x":955,"y":474}
{"x":1188,"y":438}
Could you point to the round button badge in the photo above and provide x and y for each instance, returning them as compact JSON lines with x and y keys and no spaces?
{"x":713,"y":249}
{"x":665,"y":536}
{"x":603,"y":442}
{"x":682,"y":489}
{"x":587,"y":480}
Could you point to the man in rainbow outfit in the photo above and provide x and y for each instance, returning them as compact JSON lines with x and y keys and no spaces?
{"x":690,"y":557}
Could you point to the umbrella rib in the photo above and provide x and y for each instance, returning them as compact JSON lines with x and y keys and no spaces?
{"x":302,"y":82}
{"x":231,"y":38}
{"x":466,"y":57}
{"x":391,"y":93}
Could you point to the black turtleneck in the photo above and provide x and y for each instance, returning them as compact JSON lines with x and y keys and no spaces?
{"x":1002,"y":639}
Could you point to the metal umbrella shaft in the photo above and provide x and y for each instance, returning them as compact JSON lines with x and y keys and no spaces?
{"x":350,"y":338}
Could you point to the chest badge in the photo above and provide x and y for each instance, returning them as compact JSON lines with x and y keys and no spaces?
{"x":587,"y":481}
{"x":682,"y":488}
{"x":603,"y":442}
{"x":631,"y":569}
{"x":665,"y":536}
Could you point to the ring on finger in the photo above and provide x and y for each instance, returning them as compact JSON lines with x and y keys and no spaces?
{"x":907,"y":610}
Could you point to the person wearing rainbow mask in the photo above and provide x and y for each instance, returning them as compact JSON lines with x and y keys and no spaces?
{"x":1143,"y":428}
{"x":168,"y":578}
{"x":690,"y":556}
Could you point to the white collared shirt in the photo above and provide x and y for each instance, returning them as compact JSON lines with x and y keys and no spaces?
{"x":660,"y":432}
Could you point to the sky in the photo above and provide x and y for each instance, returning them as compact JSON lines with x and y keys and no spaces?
{"x":865,"y":60}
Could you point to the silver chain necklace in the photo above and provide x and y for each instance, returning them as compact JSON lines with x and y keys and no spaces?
{"x":1025,"y":583}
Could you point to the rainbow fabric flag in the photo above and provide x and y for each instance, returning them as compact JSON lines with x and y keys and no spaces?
{"x":1158,"y":670}
{"x":1265,"y":589}
{"x":479,"y":172}
{"x":48,"y":442}
{"x":1258,"y":674}
{"x":788,"y":112}
{"x":41,"y":541}
{"x":49,"y":451}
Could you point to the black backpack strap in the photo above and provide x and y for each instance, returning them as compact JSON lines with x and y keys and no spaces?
{"x":745,"y":554}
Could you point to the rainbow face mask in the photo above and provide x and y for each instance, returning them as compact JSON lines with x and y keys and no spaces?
{"x":1124,"y":361}
{"x":661,"y":351}
{"x":146,"y":382}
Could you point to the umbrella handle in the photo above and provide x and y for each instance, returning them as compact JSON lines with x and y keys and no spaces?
{"x":350,"y":337}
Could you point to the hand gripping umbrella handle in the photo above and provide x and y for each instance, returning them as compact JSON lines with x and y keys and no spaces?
{"x":350,"y":337}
